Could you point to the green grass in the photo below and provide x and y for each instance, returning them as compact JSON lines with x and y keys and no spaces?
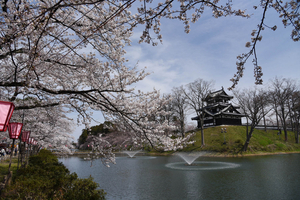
{"x":4,"y":167}
{"x":261,"y":141}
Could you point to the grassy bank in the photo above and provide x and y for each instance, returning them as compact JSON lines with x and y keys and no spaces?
{"x":261,"y":143}
{"x":4,"y":166}
{"x":235,"y":137}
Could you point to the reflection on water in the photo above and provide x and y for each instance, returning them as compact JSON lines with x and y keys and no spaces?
{"x":143,"y":177}
{"x":202,"y":165}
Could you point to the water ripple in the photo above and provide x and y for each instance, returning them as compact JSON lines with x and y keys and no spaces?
{"x":202,"y":165}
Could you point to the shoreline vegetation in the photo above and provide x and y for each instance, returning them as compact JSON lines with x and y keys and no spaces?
{"x":217,"y":144}
{"x":47,"y":178}
{"x":229,"y":144}
{"x":208,"y":155}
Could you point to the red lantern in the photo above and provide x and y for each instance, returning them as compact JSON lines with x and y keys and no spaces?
{"x":6,"y":111}
{"x":25,"y":136}
{"x":28,"y":141}
{"x":14,"y":130}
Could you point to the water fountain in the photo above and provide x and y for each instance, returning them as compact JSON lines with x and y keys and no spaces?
{"x":189,"y":158}
{"x":191,"y":163}
{"x":131,"y":154}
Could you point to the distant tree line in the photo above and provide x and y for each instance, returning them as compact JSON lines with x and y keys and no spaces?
{"x":109,"y":134}
{"x":189,"y":99}
{"x":276,"y":105}
{"x":103,"y":128}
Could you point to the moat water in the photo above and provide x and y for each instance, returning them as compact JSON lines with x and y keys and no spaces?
{"x":168,"y":177}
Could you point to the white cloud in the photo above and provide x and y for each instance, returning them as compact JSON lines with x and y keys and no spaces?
{"x":209,"y":51}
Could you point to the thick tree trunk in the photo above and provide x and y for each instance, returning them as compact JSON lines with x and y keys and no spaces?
{"x":247,"y":127}
{"x":264,"y":118}
{"x":202,"y":136}
{"x":297,"y":133}
{"x":11,"y":154}
{"x":284,"y":128}
{"x":182,"y":128}
{"x":202,"y":131}
{"x":285,"y":133}
{"x":283,"y":121}
{"x":245,"y":147}
{"x":277,"y":120}
{"x":291,"y":119}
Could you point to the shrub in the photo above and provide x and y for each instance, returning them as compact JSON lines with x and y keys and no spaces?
{"x":46,"y":178}
{"x":84,"y":189}
{"x":280,"y":146}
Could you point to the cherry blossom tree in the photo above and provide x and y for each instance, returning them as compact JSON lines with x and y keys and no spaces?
{"x":43,"y":59}
{"x":289,"y":12}
{"x":190,"y":11}
{"x":149,"y":122}
{"x":50,"y":127}
{"x":71,"y":54}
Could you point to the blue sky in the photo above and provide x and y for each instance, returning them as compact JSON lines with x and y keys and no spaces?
{"x":209,"y":52}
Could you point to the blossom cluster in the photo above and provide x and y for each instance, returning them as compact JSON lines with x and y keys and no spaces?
{"x":63,"y":56}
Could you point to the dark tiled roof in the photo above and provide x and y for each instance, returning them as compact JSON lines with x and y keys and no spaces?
{"x":217,"y":93}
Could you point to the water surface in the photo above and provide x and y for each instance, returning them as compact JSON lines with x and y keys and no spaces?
{"x":145,"y":177}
